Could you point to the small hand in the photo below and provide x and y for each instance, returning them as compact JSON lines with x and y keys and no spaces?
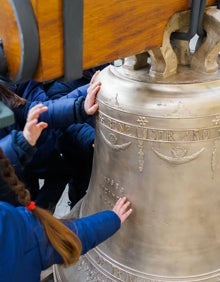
{"x":90,"y":105}
{"x":32,"y":129}
{"x":121,"y":208}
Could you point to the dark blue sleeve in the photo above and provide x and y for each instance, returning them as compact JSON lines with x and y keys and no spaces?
{"x":64,"y":112}
{"x":17,"y":150}
{"x":24,"y":150}
{"x":95,"y":229}
{"x":61,"y":112}
{"x":91,"y":230}
{"x":9,"y":152}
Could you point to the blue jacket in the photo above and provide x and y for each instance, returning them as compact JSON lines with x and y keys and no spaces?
{"x":61,"y":113}
{"x":17,"y":150}
{"x":25,"y":250}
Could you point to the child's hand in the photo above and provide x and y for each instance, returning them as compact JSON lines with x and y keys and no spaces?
{"x":121,"y":208}
{"x":90,"y":105}
{"x":32,"y":129}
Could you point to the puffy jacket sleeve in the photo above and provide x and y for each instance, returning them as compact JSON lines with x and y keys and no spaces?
{"x":61,"y":112}
{"x":95,"y":229}
{"x":91,"y":230}
{"x":17,"y":150}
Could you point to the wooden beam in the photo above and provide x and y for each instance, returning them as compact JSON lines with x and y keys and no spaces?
{"x":111,"y":30}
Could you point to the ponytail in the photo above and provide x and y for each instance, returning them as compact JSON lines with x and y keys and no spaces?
{"x":10,"y":99}
{"x":66,"y":243}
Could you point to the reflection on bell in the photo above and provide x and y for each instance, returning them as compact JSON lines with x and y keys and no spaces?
{"x":158,"y":142}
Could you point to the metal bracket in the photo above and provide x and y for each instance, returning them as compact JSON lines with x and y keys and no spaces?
{"x":29,"y":38}
{"x":3,"y":64}
{"x":73,"y":38}
{"x":196,"y":19}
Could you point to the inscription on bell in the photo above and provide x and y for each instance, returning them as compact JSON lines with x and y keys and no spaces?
{"x":159,"y":134}
{"x":112,"y":191}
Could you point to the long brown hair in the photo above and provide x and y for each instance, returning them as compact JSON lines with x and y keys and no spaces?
{"x":9,"y":98}
{"x":63,"y":239}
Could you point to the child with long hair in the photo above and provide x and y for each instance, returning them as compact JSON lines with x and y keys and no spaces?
{"x":31,"y":239}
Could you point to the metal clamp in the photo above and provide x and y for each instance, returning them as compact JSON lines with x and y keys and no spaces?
{"x":30,"y":47}
{"x":73,"y":38}
{"x":196,"y":19}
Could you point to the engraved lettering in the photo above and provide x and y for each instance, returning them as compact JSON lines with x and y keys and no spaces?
{"x":112,"y":124}
{"x":160,"y":135}
{"x":143,"y":132}
{"x":112,"y":191}
{"x":101,"y":118}
{"x":152,"y":134}
{"x":205,"y":134}
{"x":123,"y":128}
{"x":186,"y":136}
{"x":197,"y":135}
{"x":170,"y":136}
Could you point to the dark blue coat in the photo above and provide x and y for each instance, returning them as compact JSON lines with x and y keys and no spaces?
{"x":25,"y":250}
{"x":61,"y":113}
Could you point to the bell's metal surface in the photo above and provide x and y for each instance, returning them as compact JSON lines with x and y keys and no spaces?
{"x":157,"y":142}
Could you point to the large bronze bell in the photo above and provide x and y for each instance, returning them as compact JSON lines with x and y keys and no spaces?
{"x":158,"y":142}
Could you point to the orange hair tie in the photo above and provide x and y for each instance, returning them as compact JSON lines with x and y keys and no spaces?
{"x":31,"y":206}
